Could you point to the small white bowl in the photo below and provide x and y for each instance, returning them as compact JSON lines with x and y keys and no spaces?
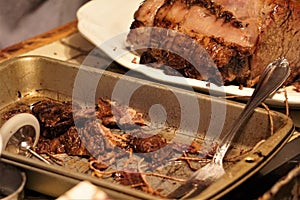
{"x":14,"y":124}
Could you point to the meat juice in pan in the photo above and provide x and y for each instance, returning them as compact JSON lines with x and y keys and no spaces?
{"x":129,"y":155}
{"x":39,"y":78}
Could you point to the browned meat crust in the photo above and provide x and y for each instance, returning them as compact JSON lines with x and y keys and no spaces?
{"x":55,"y":117}
{"x":241,"y":37}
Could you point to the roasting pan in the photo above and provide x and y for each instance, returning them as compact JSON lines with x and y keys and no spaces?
{"x":40,"y":77}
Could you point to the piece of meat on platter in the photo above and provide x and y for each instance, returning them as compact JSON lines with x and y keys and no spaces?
{"x":220,"y":41}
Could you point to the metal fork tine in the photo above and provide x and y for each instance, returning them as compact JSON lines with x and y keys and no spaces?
{"x":189,"y":189}
{"x":271,"y":79}
{"x":182,"y":191}
{"x":31,"y":106}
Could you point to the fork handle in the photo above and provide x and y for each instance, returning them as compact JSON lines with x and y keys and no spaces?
{"x":270,"y":80}
{"x":38,"y":156}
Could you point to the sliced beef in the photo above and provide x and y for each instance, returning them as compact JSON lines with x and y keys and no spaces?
{"x":20,"y":108}
{"x":113,"y":114}
{"x":228,"y":41}
{"x":149,"y":144}
{"x":69,"y":143}
{"x":73,"y":143}
{"x":55,"y":117}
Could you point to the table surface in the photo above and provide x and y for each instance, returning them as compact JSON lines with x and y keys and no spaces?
{"x":67,"y":44}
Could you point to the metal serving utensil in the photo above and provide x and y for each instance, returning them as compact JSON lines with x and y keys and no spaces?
{"x":25,"y":146}
{"x":270,"y":80}
{"x":20,"y":134}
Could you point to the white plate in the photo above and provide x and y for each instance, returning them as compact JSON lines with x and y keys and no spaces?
{"x":106,"y":23}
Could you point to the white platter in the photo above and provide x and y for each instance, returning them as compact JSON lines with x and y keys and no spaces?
{"x":106,"y":23}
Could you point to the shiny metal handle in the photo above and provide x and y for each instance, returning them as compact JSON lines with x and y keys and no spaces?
{"x":38,"y":156}
{"x":270,"y":80}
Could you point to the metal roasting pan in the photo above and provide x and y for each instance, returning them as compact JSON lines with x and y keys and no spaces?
{"x":39,"y":77}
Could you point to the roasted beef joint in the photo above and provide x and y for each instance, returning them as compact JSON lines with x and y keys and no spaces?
{"x":221,"y":41}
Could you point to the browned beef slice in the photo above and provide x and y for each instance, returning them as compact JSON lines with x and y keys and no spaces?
{"x":149,"y":144}
{"x":20,"y":108}
{"x":55,"y":117}
{"x":113,"y":114}
{"x":69,"y":143}
{"x":241,"y":37}
{"x":73,"y":143}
